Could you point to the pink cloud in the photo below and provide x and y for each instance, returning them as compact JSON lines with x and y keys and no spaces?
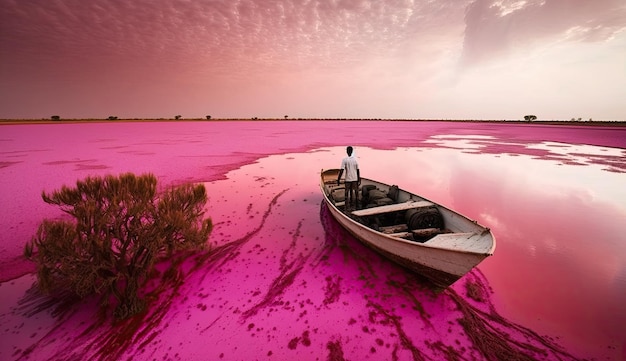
{"x":494,"y":28}
{"x":342,"y":59}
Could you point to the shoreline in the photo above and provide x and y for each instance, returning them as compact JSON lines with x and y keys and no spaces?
{"x":581,"y":123}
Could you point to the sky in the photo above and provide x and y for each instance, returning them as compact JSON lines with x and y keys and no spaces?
{"x":393,"y":59}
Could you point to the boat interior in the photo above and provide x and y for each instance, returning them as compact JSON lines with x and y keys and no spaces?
{"x":387,"y":209}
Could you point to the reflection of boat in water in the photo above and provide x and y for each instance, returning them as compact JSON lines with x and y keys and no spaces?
{"x":432,"y":240}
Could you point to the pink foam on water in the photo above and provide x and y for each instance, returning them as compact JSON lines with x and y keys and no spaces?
{"x":283,"y":280}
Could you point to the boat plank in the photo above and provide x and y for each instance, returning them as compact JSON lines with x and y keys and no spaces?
{"x":400,"y":234}
{"x":391,"y":208}
{"x":394,"y":229}
{"x":427,"y":232}
{"x":451,"y":240}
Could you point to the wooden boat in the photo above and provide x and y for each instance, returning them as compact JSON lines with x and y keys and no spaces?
{"x":425,"y":237}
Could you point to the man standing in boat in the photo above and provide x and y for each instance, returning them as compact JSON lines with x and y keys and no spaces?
{"x":350,"y":165}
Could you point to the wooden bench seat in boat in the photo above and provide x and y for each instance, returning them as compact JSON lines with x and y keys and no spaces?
{"x":391,"y":208}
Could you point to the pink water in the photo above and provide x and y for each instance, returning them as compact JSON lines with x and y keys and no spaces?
{"x":283,"y":280}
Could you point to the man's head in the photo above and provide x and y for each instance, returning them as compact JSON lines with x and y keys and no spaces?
{"x":349,"y":150}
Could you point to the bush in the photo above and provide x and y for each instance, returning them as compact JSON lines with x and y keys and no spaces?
{"x":121,"y":226}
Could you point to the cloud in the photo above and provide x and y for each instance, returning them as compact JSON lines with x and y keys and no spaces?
{"x":498,"y":27}
{"x":360,"y":57}
{"x":233,"y":34}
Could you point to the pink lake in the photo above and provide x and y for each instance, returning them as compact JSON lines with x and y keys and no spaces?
{"x":283,"y":280}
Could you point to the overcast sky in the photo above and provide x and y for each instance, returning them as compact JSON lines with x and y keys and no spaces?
{"x":418,"y":59}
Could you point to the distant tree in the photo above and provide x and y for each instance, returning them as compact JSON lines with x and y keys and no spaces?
{"x":178,"y":117}
{"x":286,"y":116}
{"x":111,"y":117}
{"x":120,"y":228}
{"x":55,"y":117}
{"x":208,"y":117}
{"x":530,"y":117}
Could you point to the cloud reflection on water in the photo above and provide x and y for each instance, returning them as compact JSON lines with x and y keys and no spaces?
{"x":560,"y":246}
{"x":571,"y":154}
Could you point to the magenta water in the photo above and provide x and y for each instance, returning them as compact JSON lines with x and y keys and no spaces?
{"x":284,"y":280}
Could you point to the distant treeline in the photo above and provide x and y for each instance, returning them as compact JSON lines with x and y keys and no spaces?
{"x":55,"y":119}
